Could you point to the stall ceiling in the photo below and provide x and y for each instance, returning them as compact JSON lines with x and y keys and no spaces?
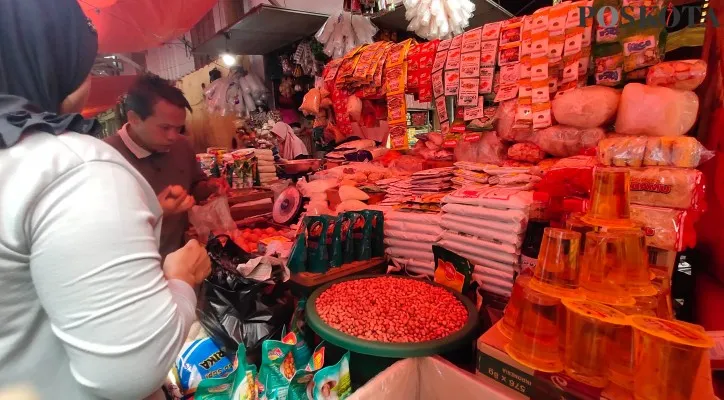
{"x":263,"y":30}
{"x":267,"y":28}
{"x":484,"y":12}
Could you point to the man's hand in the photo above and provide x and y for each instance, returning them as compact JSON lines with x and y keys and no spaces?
{"x":190,"y":264}
{"x":175,"y":200}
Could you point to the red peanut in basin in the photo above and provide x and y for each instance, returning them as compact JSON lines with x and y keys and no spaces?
{"x":389,"y":309}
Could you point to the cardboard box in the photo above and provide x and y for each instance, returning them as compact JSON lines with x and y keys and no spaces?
{"x":521,"y":382}
{"x":493,"y":363}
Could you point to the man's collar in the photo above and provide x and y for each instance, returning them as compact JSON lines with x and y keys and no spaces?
{"x":134,"y":147}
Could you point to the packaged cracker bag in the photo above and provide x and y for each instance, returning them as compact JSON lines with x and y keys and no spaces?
{"x":361,"y":232}
{"x":451,"y":269}
{"x":316,"y":237}
{"x":277,"y":368}
{"x":298,"y":256}
{"x":333,"y":382}
{"x":340,"y":239}
{"x":376,"y":221}
{"x":302,"y":385}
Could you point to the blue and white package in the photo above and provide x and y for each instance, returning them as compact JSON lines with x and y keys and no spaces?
{"x":201,"y":359}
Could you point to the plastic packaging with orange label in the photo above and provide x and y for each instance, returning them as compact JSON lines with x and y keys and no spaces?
{"x":451,"y":269}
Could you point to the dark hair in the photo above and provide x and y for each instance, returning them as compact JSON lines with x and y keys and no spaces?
{"x":148,"y":90}
{"x":295,"y":125}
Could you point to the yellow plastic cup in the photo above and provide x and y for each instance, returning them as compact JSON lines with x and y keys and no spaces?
{"x":510,"y":315}
{"x":536,"y":338}
{"x":634,"y":273}
{"x":662,"y":282}
{"x":603,"y":262}
{"x":557,"y":271}
{"x":667,"y":356}
{"x":610,"y":198}
{"x":590,"y":327}
{"x":574,"y":223}
{"x":620,"y":348}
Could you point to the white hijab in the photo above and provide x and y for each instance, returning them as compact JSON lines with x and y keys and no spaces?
{"x":289,"y":144}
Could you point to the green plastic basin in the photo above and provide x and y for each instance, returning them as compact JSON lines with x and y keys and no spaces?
{"x":370,"y":357}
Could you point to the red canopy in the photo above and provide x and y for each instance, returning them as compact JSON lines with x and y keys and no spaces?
{"x":105,"y":91}
{"x":127,"y":26}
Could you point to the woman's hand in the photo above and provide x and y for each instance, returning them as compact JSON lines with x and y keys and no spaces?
{"x":190,"y":264}
{"x":175,"y":200}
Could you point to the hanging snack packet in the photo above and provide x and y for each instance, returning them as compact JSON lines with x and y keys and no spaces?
{"x":608,"y":59}
{"x":316,"y":237}
{"x":333,"y":382}
{"x":641,"y":47}
{"x":376,"y":220}
{"x":340,"y":239}
{"x":452,"y":270}
{"x":607,"y":31}
{"x":302,"y":385}
{"x":277,"y":368}
{"x":360,"y":236}
{"x":297,"y":261}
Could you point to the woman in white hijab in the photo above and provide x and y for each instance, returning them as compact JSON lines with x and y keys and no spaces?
{"x":289,"y":145}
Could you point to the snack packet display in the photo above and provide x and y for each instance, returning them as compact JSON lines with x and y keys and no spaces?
{"x":637,"y":151}
{"x":451,"y":269}
{"x":681,"y":188}
{"x":666,"y":228}
{"x":682,"y":75}
{"x":656,"y":111}
{"x":333,"y":382}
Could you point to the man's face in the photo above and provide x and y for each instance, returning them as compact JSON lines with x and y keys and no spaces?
{"x":162,"y":128}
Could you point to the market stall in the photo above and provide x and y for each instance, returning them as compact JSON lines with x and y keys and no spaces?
{"x":540,"y":216}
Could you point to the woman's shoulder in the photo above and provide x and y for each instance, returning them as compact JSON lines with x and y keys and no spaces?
{"x":70,"y":149}
{"x":53,"y":155}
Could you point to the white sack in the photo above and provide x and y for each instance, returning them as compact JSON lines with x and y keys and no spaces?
{"x":413,"y":227}
{"x":491,"y":197}
{"x":413,"y":254}
{"x":406,"y":235}
{"x":506,"y":216}
{"x":507,"y":237}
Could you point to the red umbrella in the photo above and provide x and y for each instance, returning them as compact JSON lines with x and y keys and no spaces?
{"x":105,"y":91}
{"x":127,"y":26}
